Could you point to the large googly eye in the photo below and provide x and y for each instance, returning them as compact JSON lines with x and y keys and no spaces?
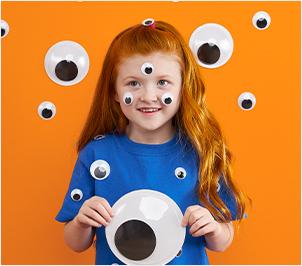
{"x":100,"y":169}
{"x":261,"y":20}
{"x":180,"y":173}
{"x":146,"y":228}
{"x":66,"y":63}
{"x":47,"y":110}
{"x":76,"y":194}
{"x":167,"y":98}
{"x":147,"y":68}
{"x":212,"y":45}
{"x":128,"y":98}
{"x":246,"y":101}
{"x":4,"y":28}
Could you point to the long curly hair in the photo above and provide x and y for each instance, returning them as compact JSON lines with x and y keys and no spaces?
{"x":193,"y":119}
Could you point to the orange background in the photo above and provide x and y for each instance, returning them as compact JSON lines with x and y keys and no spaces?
{"x":38,"y":156}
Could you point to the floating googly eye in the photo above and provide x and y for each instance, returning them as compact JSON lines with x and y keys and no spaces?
{"x":66,"y":63}
{"x":4,"y":28}
{"x":218,"y":187}
{"x":146,"y":228}
{"x":167,"y":98}
{"x":147,"y":68}
{"x":128,"y":98}
{"x":180,"y":173}
{"x":98,"y":137}
{"x":261,"y":20}
{"x":76,"y":194}
{"x":246,"y":101}
{"x":47,"y":110}
{"x":100,"y":169}
{"x":148,"y":22}
{"x":212,"y":45}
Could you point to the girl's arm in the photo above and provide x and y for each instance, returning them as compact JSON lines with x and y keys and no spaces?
{"x":221,"y":239}
{"x":77,"y":236}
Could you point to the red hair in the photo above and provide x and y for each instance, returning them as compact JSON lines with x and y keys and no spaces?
{"x":193,"y":119}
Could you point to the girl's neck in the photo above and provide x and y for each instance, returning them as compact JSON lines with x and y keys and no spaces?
{"x":158,"y":136}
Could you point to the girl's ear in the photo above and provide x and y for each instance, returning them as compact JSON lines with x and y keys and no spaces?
{"x":116,"y":97}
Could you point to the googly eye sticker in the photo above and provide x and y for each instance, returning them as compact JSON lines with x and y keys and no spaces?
{"x":247,"y":101}
{"x":180,"y":173}
{"x":76,"y":194}
{"x":100,"y":169}
{"x":148,"y":22}
{"x":167,"y":98}
{"x":128,"y":98}
{"x":147,"y":68}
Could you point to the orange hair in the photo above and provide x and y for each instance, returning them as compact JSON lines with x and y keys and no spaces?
{"x":193,"y":119}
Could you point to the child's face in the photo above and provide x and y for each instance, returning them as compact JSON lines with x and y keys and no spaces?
{"x":146,"y":81}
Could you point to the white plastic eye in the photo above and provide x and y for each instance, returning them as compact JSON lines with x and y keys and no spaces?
{"x":128,"y":98}
{"x":66,"y":63}
{"x":261,"y":20}
{"x":147,"y":68}
{"x":180,"y":173}
{"x":148,"y":22}
{"x":100,"y":169}
{"x":47,"y":110}
{"x":146,"y":228}
{"x":76,"y":194}
{"x":98,"y":137}
{"x":212,"y":45}
{"x":167,"y":98}
{"x":4,"y":28}
{"x":218,"y":187}
{"x":246,"y":101}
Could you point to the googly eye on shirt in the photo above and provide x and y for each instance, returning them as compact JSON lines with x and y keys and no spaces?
{"x":76,"y":194}
{"x":100,"y":169}
{"x":180,"y":173}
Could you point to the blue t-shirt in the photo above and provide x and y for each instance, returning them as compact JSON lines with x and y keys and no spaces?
{"x":135,"y":166}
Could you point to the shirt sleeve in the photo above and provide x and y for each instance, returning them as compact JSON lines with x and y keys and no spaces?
{"x":227,"y":196}
{"x":81,"y":188}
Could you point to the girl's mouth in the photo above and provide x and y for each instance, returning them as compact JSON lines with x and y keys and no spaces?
{"x":149,"y":111}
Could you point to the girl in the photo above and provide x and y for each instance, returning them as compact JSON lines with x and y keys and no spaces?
{"x":148,"y":118}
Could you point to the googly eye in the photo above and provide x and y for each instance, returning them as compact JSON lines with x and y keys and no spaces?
{"x":261,"y":20}
{"x":76,"y":194}
{"x":128,"y":98}
{"x":180,"y":173}
{"x":147,"y":68}
{"x":100,"y":169}
{"x":246,"y":101}
{"x":167,"y":98}
{"x":179,"y":253}
{"x":98,"y":137}
{"x":146,"y":228}
{"x":148,"y":22}
{"x":4,"y":28}
{"x":66,"y":63}
{"x":212,"y":45}
{"x":47,"y":110}
{"x":218,"y":187}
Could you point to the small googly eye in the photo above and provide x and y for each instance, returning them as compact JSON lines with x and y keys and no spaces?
{"x":4,"y":28}
{"x":167,"y":98}
{"x":218,"y":187}
{"x":180,"y":173}
{"x":148,"y":22}
{"x":47,"y":110}
{"x":147,"y":68}
{"x":212,"y":45}
{"x":76,"y":194}
{"x":128,"y":98}
{"x":66,"y":63}
{"x":261,"y":20}
{"x":99,"y":137}
{"x":246,"y":101}
{"x":100,"y":169}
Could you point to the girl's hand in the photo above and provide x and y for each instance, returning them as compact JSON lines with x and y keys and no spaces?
{"x":201,"y":221}
{"x":95,"y":211}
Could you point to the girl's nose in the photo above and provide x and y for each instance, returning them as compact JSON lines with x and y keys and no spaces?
{"x":149,"y":95}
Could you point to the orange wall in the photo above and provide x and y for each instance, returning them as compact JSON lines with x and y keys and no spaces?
{"x":38,"y":155}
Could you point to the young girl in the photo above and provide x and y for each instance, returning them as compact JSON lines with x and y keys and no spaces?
{"x":149,"y":128}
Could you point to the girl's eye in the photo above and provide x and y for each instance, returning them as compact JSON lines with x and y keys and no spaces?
{"x":163,"y":82}
{"x":133,"y":83}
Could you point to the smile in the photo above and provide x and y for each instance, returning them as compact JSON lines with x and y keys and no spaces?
{"x":149,"y":110}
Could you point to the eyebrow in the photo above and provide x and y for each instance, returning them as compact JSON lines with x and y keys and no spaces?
{"x":160,"y":77}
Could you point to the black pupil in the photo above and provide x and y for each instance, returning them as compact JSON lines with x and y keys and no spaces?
{"x":135,"y":240}
{"x":261,"y":23}
{"x":148,"y":22}
{"x":2,"y":32}
{"x":148,"y":70}
{"x":76,"y":196}
{"x":208,"y":53}
{"x":180,"y":174}
{"x":247,"y":104}
{"x":100,"y":172}
{"x":66,"y":70}
{"x":128,"y":100}
{"x":168,"y":100}
{"x":46,"y":113}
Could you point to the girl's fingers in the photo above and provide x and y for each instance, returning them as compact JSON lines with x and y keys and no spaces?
{"x":94,"y":215}
{"x":188,"y":213}
{"x":103,"y":212}
{"x":198,"y":224}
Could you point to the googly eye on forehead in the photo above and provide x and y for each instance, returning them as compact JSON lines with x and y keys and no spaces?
{"x":147,"y":68}
{"x":167,"y":98}
{"x":128,"y":98}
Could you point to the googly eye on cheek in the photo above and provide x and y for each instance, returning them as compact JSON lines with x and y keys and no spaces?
{"x":167,"y":98}
{"x":147,"y":68}
{"x":128,"y":98}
